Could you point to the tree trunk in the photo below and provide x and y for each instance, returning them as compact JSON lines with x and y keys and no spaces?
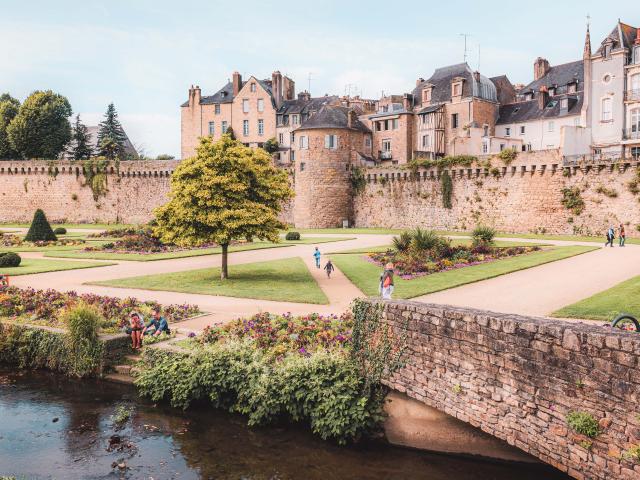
{"x":224,"y":272}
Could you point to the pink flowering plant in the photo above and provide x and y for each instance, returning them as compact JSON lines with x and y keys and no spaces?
{"x":139,"y":241}
{"x":46,"y":307}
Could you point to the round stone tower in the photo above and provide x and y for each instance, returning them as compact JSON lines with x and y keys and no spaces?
{"x":326,"y":148}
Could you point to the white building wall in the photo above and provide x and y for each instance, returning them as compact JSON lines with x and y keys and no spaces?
{"x":537,"y":132}
{"x":607,"y":81}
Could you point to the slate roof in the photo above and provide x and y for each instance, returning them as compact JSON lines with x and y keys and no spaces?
{"x":429,"y":109}
{"x":530,"y":110}
{"x":332,"y":116}
{"x":225,"y":94}
{"x":622,"y":36}
{"x":560,"y":75}
{"x":302,"y":106}
{"x":441,"y":81}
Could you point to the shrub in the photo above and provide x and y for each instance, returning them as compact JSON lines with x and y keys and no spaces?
{"x":9,"y":260}
{"x":607,"y":192}
{"x":572,"y":200}
{"x":422,"y":240}
{"x":483,"y":235}
{"x":508,"y":155}
{"x":40,"y":230}
{"x":583,"y":423}
{"x":633,"y":454}
{"x":402,"y":243}
{"x":60,"y":231}
{"x":358,"y":180}
{"x":447,"y":189}
{"x":84,"y":349}
{"x":292,"y":236}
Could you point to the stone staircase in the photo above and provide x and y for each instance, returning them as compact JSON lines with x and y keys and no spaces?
{"x":123,"y":372}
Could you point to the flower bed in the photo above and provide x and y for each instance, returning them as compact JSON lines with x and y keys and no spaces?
{"x":16,"y":241}
{"x":409,"y":266}
{"x":138,"y":241}
{"x":45,"y":307}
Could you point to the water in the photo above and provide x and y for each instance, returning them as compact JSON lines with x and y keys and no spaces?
{"x":163,"y":443}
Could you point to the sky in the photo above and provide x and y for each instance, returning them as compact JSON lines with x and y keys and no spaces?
{"x":143,"y":55}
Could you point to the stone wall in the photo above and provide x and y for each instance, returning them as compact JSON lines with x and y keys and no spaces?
{"x":518,"y":377}
{"x":61,"y":189}
{"x":523,"y":196}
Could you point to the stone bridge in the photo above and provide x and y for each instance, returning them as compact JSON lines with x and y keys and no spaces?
{"x":517,"y":378}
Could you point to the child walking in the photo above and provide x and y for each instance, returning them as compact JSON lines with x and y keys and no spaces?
{"x":329,"y":268}
{"x":316,"y":255}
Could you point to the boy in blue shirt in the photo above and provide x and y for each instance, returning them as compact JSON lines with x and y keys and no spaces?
{"x":158,"y":323}
{"x":316,"y":255}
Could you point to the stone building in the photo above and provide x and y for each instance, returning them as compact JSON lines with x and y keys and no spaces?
{"x":392,"y":127}
{"x":248,"y":107}
{"x":326,"y":147}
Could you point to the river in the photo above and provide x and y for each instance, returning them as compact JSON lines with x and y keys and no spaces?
{"x":54,"y":427}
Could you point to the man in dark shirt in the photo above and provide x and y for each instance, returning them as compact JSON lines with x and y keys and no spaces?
{"x":157,"y":324}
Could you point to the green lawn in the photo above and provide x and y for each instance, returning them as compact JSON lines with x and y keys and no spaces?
{"x":285,"y":280}
{"x":69,"y":252}
{"x":365,"y":275}
{"x":36,"y":265}
{"x":622,"y":298}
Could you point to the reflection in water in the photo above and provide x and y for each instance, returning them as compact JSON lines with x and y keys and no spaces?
{"x":159,"y":442}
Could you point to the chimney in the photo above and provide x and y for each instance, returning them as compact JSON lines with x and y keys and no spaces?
{"x":352,"y":116}
{"x":237,"y":83}
{"x":540,"y":68}
{"x":476,"y":76}
{"x":543,"y":97}
{"x":406,"y":102}
{"x":304,"y":96}
{"x":276,"y":87}
{"x":637,"y":42}
{"x":196,"y":95}
{"x":419,"y":81}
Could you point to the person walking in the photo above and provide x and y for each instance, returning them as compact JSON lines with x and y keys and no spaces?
{"x":316,"y":255}
{"x":329,"y":268}
{"x":622,"y":235}
{"x":610,"y":236}
{"x":386,"y":282}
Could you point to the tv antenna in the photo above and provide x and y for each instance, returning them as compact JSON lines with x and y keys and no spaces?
{"x":465,"y":35}
{"x":309,"y":82}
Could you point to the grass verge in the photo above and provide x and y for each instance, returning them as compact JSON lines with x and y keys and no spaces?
{"x":29,"y":266}
{"x":365,"y":275}
{"x":622,"y":298}
{"x":285,"y":280}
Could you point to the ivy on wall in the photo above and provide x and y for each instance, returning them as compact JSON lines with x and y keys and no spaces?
{"x":447,"y":189}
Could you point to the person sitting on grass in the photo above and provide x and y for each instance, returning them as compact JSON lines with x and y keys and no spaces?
{"x":136,"y":324}
{"x":157,"y":325}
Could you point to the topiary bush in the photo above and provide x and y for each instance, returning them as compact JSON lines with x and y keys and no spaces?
{"x":9,"y":260}
{"x":60,"y":231}
{"x":40,"y":230}
{"x":292,"y":236}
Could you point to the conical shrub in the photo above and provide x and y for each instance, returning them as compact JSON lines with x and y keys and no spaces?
{"x":40,"y":230}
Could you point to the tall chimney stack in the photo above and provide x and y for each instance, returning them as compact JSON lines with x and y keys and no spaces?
{"x":540,"y":68}
{"x":237,"y":83}
{"x":419,"y":81}
{"x":276,"y":87}
{"x":543,"y":97}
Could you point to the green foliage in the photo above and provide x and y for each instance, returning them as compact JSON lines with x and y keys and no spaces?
{"x":226,"y":192}
{"x":572,"y":200}
{"x":358,"y":180}
{"x":84,"y":350}
{"x":402,"y":243}
{"x":323,"y":388}
{"x":457,"y":389}
{"x":9,"y":108}
{"x":508,"y":155}
{"x":271,"y":145}
{"x":449,"y":161}
{"x":230,"y":133}
{"x":586,"y":444}
{"x":607,"y":192}
{"x":60,"y":231}
{"x":422,"y":240}
{"x":9,"y":260}
{"x":80,"y":146}
{"x":447,"y":189}
{"x":111,"y":136}
{"x":40,"y":230}
{"x":376,"y":349}
{"x":165,"y":156}
{"x":483,"y":235}
{"x":41,"y":129}
{"x":292,"y":236}
{"x":95,"y":174}
{"x":632,"y":453}
{"x":122,"y":415}
{"x":583,"y":423}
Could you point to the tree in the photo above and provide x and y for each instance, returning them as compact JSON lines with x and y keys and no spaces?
{"x":229,"y":132}
{"x":80,"y":147}
{"x":40,"y":230}
{"x":111,"y":136}
{"x":271,"y":145}
{"x":165,"y":156}
{"x":9,"y":108}
{"x":41,"y":129}
{"x":226,"y":192}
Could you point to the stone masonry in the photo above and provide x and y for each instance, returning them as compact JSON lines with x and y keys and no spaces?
{"x":517,"y":378}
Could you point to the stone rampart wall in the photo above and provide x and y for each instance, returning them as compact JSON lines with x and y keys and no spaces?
{"x":518,"y":377}
{"x":523,"y":196}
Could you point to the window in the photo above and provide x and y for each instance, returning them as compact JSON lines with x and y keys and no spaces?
{"x":571,"y":88}
{"x":564,"y":103}
{"x":635,"y":82}
{"x":217,"y":108}
{"x":522,"y":130}
{"x":260,"y":105}
{"x":606,"y":78}
{"x":507,"y":132}
{"x":635,"y":153}
{"x":245,"y":128}
{"x":426,"y":95}
{"x":636,"y":54}
{"x":245,"y":105}
{"x":635,"y":120}
{"x":367,"y":141}
{"x":456,"y":89}
{"x":485,"y":147}
{"x":485,"y":130}
{"x":212,"y":128}
{"x":607,"y":51}
{"x":502,"y":146}
{"x":454,"y":120}
{"x":552,"y":91}
{"x":224,"y":127}
{"x":606,"y":115}
{"x":304,"y":142}
{"x":281,"y":138}
{"x":425,"y":141}
{"x":293,"y":155}
{"x":528,"y":147}
{"x":295,"y":119}
{"x":260,"y":127}
{"x":386,"y":145}
{"x":394,"y":124}
{"x":253,"y":86}
{"x":551,"y":126}
{"x":331,"y":141}
{"x":302,"y":165}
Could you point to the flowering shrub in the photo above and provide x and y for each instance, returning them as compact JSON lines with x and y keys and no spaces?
{"x":46,"y":307}
{"x":141,"y":241}
{"x":16,"y":241}
{"x":116,"y":233}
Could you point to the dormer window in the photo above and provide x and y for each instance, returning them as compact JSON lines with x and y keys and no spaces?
{"x":564,"y":104}
{"x":456,"y":89}
{"x":552,"y":91}
{"x":528,"y":96}
{"x":636,"y":54}
{"x":253,"y":86}
{"x":607,"y":50}
{"x":426,"y":95}
{"x":571,"y":88}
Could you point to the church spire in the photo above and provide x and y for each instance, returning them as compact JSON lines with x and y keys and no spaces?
{"x":587,"y":42}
